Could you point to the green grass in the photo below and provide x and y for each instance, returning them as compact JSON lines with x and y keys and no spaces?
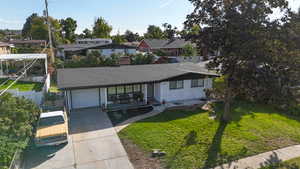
{"x":192,"y":140}
{"x":22,"y":86}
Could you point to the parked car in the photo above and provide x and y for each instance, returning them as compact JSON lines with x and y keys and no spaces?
{"x":52,"y":129}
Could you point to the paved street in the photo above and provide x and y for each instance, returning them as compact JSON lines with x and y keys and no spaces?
{"x":93,"y":144}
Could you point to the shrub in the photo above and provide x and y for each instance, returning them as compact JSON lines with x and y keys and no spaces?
{"x":18,"y":117}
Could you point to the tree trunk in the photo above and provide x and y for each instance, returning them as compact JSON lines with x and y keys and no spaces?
{"x":227,"y":112}
{"x":227,"y":101}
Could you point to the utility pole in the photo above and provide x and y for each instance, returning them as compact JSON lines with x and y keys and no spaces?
{"x":52,"y":59}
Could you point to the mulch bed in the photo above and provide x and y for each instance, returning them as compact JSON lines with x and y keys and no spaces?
{"x":139,"y":158}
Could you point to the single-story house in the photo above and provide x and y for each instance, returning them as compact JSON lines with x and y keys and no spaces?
{"x":133,"y":84}
{"x":172,"y":47}
{"x":4,"y":48}
{"x":66,"y":51}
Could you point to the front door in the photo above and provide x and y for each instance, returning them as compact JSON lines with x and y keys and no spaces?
{"x":150,"y":91}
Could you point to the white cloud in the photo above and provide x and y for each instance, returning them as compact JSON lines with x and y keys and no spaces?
{"x":3,"y":21}
{"x":165,"y":3}
{"x":10,"y":24}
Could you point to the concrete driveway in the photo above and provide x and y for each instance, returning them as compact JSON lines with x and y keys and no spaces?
{"x":93,"y":144}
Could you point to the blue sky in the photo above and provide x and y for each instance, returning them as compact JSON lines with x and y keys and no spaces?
{"x":134,"y":15}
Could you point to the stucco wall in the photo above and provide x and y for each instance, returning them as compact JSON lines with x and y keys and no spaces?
{"x":157,"y":92}
{"x":186,"y":93}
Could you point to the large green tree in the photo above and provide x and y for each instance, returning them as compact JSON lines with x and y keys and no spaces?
{"x":86,"y":33}
{"x":118,"y":39}
{"x":69,"y":26}
{"x":154,"y":32}
{"x":36,"y":28}
{"x":253,"y":57}
{"x":101,"y":28}
{"x":26,"y":31}
{"x":169,"y":31}
{"x":17,"y":120}
{"x":131,"y":37}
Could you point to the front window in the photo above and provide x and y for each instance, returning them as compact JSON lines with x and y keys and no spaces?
{"x":120,"y":90}
{"x":121,"y":94}
{"x":128,"y":89}
{"x":176,"y":84}
{"x":197,"y":83}
{"x":137,"y":88}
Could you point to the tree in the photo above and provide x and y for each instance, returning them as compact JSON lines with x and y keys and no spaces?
{"x":18,"y":117}
{"x":101,"y":28}
{"x":189,"y":50}
{"x":36,"y":28}
{"x":86,"y":33}
{"x":169,"y":31}
{"x":118,"y":39}
{"x":39,"y":29}
{"x":2,"y":35}
{"x":141,"y":59}
{"x":249,"y":44}
{"x":69,"y":26}
{"x":26,"y":31}
{"x":154,"y":32}
{"x":131,"y":37}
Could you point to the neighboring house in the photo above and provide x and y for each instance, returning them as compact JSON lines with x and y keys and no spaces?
{"x":67,"y":51}
{"x":28,"y":43}
{"x":123,"y":86}
{"x":108,"y":50}
{"x":39,"y":80}
{"x":173,"y":47}
{"x":4,"y":48}
{"x":89,"y":41}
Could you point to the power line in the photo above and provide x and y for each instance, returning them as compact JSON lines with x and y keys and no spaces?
{"x":3,"y":91}
{"x":23,"y":67}
{"x":16,"y":74}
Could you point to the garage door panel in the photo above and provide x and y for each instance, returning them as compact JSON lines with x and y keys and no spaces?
{"x":85,"y":98}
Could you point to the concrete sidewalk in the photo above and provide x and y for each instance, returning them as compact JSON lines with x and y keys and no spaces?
{"x":264,"y":159}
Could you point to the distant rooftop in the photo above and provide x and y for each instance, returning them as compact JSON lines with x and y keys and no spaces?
{"x":26,"y":41}
{"x":91,"y":39}
{"x":3,"y":44}
{"x":22,"y":56}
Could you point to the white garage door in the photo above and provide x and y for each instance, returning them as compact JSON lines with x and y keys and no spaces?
{"x":85,"y":98}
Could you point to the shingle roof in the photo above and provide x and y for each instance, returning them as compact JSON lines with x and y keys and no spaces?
{"x":178,"y":43}
{"x":108,"y":76}
{"x":26,"y":41}
{"x":2,"y":44}
{"x":156,"y":43}
{"x":171,"y":44}
{"x":78,"y":47}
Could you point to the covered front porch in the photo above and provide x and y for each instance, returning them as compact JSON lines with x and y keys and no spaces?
{"x":130,"y":96}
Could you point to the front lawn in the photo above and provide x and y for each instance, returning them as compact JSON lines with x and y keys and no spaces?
{"x":192,"y":140}
{"x":22,"y":86}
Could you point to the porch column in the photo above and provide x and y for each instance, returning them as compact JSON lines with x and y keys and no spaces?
{"x":145,"y":93}
{"x":105,"y":97}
